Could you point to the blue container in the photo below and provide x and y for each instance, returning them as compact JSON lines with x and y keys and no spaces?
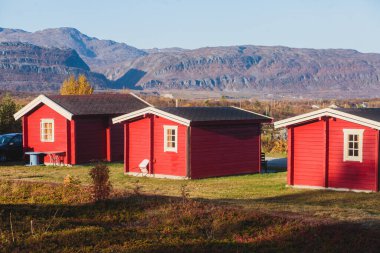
{"x":34,"y":159}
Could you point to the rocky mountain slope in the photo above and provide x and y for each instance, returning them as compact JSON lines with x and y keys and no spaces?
{"x":98,"y":54}
{"x":258,"y":68}
{"x":26,"y":67}
{"x":247,"y":69}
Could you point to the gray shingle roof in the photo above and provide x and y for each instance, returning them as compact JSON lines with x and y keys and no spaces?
{"x":368,"y":113}
{"x":99,"y":104}
{"x":214,"y":114}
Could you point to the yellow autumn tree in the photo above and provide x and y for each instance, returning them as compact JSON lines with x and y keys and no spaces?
{"x":73,"y":86}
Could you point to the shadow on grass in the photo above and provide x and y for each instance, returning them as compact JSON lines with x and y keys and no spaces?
{"x":326,"y":198}
{"x":141,"y":223}
{"x":327,"y":203}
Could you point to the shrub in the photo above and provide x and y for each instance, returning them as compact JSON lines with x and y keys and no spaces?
{"x":185,"y":193}
{"x":279,"y":146}
{"x":101,"y":186}
{"x":72,"y":191}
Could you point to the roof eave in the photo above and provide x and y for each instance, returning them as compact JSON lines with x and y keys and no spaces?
{"x":42,"y":99}
{"x":154,"y":111}
{"x":265,"y":118}
{"x":330,"y":113}
{"x":233,"y":121}
{"x":142,"y":100}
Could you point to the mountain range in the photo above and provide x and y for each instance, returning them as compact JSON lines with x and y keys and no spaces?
{"x":44,"y":58}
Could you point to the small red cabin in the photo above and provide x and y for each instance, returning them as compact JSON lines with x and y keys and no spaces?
{"x":79,"y":126}
{"x":192,"y":142}
{"x":334,"y":148}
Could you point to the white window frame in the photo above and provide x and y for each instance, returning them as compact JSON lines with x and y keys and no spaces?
{"x":42,"y":136}
{"x":346,"y":133}
{"x":166,"y":148}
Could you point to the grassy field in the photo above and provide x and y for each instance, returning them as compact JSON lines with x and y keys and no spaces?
{"x":228,"y":214}
{"x":259,"y":191}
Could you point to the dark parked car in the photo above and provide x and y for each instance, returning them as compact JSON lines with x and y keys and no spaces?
{"x":10,"y":147}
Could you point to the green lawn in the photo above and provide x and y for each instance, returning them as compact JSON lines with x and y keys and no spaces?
{"x":264,"y":192}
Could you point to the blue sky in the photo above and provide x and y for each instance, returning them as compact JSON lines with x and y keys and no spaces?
{"x":195,"y":23}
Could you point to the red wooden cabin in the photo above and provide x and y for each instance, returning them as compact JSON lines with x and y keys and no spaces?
{"x":192,"y":142}
{"x":78,"y":125}
{"x":334,"y":148}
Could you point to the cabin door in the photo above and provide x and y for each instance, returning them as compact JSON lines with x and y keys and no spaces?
{"x":139,"y":143}
{"x":309,"y":152}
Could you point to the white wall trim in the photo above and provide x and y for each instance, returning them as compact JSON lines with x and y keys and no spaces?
{"x":166,"y":148}
{"x":154,"y":111}
{"x":137,"y":174}
{"x":327,"y":188}
{"x":346,"y":157}
{"x":42,"y":99}
{"x":327,"y":112}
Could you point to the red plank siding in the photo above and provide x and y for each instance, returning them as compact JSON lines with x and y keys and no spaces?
{"x":83,"y":138}
{"x":146,"y":141}
{"x":108,"y":142}
{"x":348,"y":174}
{"x":317,"y":151}
{"x":32,"y":131}
{"x":73,"y":142}
{"x":126,"y":147}
{"x":224,"y":150}
{"x":90,"y":133}
{"x":377,"y":179}
{"x":138,"y":143}
{"x":290,"y":162}
{"x":25,"y":134}
{"x":68,"y":141}
{"x":169,"y":163}
{"x":308,"y":154}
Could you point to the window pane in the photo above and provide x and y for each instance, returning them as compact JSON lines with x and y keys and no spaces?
{"x":171,"y":138}
{"x":46,"y":131}
{"x":350,"y":137}
{"x":350,"y":152}
{"x":355,"y":137}
{"x":356,"y":145}
{"x":350,"y":145}
{"x":356,"y":152}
